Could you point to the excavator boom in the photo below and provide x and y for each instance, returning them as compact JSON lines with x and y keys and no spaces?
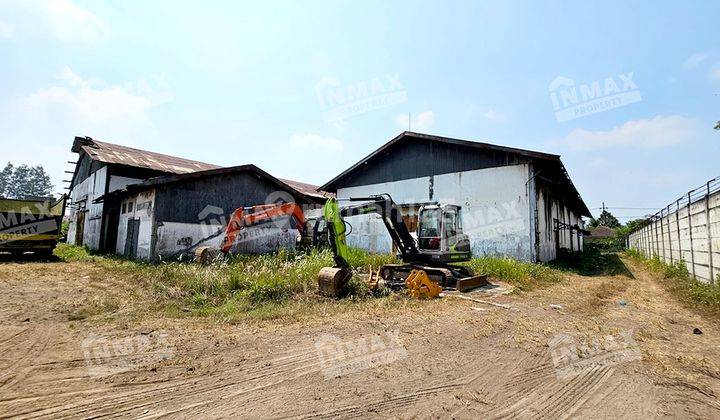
{"x":248,"y":216}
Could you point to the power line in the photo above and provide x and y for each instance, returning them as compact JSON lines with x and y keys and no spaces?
{"x":626,"y":208}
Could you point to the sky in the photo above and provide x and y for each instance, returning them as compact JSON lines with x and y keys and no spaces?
{"x":626,"y":92}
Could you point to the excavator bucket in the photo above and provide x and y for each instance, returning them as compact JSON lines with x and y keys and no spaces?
{"x":332,"y":281}
{"x":420,"y":285}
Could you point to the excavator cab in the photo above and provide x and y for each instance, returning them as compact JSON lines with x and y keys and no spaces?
{"x":440,"y":233}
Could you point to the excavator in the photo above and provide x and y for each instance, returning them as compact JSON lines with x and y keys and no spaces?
{"x":249,"y":216}
{"x":440,"y":242}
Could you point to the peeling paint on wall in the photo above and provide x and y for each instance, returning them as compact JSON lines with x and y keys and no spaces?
{"x":494,"y":204}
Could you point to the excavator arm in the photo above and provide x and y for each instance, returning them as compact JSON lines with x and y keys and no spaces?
{"x":249,"y":216}
{"x":382,"y":205}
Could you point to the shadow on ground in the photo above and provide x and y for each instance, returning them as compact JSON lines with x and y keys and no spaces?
{"x":592,"y":262}
{"x":6,"y":257}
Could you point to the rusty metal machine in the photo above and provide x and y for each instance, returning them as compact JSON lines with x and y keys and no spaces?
{"x":440,"y":242}
{"x":250,"y":216}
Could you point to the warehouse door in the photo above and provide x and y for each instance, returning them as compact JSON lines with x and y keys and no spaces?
{"x":131,"y":241}
{"x":79,"y":227}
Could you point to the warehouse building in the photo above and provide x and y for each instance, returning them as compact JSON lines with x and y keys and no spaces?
{"x":516,"y":203}
{"x":168,"y":216}
{"x":104,"y":167}
{"x":148,"y":205}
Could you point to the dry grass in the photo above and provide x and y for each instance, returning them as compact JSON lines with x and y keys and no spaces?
{"x":701,"y":296}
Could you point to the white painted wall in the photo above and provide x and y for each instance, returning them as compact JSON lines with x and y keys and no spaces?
{"x":495,"y":205}
{"x":143,"y":208}
{"x":120,"y":182}
{"x":82,"y":197}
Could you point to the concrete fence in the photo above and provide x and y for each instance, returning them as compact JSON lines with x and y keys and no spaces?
{"x":687,"y":231}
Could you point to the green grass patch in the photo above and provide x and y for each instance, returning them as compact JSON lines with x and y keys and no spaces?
{"x":253,"y":286}
{"x":677,"y":279}
{"x":276,"y":285}
{"x":523,"y":275}
{"x":592,"y":261}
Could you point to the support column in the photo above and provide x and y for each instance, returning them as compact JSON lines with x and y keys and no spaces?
{"x":669,"y":235}
{"x":677,"y":224}
{"x":692,"y":248}
{"x":709,"y":235}
{"x":662,"y":236}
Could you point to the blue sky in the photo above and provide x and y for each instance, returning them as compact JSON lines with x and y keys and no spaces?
{"x":233,"y":83}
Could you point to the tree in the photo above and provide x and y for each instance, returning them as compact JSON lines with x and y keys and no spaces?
{"x":631,"y":226}
{"x":25,"y":182}
{"x":606,"y":219}
{"x":5,"y":177}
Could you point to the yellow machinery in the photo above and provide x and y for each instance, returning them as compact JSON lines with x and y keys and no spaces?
{"x":420,"y":286}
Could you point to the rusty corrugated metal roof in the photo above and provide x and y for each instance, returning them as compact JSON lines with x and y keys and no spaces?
{"x":307,"y":189}
{"x":300,"y":188}
{"x":122,"y":155}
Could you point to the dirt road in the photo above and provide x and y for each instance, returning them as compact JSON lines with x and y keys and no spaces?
{"x":77,"y":342}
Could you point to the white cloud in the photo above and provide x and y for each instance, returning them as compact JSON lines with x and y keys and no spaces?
{"x":657,"y":132}
{"x":695,"y":60}
{"x":419,"y":123}
{"x":493,"y":115}
{"x":45,"y":121}
{"x":6,"y":30}
{"x":73,"y":23}
{"x":315,"y":141}
{"x":61,"y":19}
{"x":93,"y":107}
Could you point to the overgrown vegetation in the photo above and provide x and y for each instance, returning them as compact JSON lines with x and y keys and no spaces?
{"x":593,"y":261}
{"x":254,"y":285}
{"x":273,"y":285}
{"x":677,"y":279}
{"x":523,"y":275}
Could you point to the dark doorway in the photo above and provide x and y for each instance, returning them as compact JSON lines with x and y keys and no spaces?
{"x":131,"y":241}
{"x":79,"y":227}
{"x":111,"y":218}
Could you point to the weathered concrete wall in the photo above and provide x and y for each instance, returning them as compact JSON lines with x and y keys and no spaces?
{"x":495,"y":205}
{"x":143,"y":209}
{"x":690,"y":235}
{"x":166,"y":240}
{"x":174,"y":238}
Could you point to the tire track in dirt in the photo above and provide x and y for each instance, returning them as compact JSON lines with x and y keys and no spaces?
{"x":207,"y":389}
{"x":19,"y":366}
{"x":392,"y":404}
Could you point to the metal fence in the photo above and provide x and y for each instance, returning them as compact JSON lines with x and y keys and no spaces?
{"x":687,"y":231}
